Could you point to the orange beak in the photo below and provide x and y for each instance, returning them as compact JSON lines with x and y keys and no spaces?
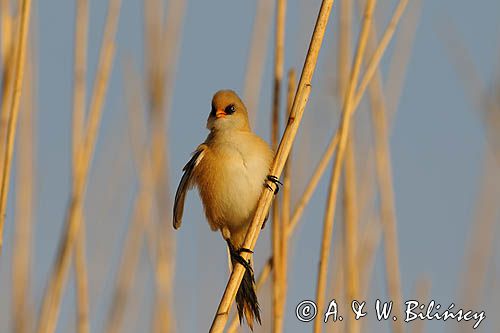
{"x":220,"y":114}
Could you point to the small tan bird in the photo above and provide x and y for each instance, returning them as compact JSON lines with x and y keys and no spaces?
{"x":229,"y":169}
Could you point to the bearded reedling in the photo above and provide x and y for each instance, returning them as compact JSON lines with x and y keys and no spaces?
{"x":229,"y":170}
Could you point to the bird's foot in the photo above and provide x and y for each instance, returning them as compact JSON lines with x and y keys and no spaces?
{"x":275,"y":180}
{"x":236,"y":256}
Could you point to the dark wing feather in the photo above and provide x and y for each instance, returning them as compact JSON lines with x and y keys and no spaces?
{"x":185,"y":185}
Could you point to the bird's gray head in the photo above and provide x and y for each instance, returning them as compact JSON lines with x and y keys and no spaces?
{"x":228,"y":112}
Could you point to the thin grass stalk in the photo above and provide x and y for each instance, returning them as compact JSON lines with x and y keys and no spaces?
{"x":300,"y":101}
{"x":22,"y":311}
{"x":79,"y":75}
{"x":79,"y":95}
{"x":367,"y":253}
{"x":372,"y":65}
{"x":139,"y":223}
{"x":372,"y":235}
{"x":286,"y":201}
{"x":51,"y":302}
{"x":18,"y":75}
{"x":336,"y":289}
{"x":7,"y":26}
{"x":128,"y":264}
{"x":348,"y":269}
{"x":344,"y":47}
{"x":6,"y":31}
{"x":387,"y":200}
{"x":256,"y":60}
{"x":155,"y":91}
{"x":277,"y":227}
{"x":338,"y":161}
{"x":163,"y":50}
{"x":81,"y":278}
{"x":351,"y":240}
{"x":7,"y":49}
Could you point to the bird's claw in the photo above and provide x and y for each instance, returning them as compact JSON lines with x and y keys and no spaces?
{"x":236,"y":255}
{"x":244,"y":249}
{"x":275,"y":180}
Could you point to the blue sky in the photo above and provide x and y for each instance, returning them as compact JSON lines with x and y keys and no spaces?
{"x":437,"y":144}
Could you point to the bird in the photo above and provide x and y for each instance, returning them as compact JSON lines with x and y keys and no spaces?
{"x":229,"y":170}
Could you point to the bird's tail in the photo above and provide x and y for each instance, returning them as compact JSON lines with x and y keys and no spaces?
{"x":246,"y":297}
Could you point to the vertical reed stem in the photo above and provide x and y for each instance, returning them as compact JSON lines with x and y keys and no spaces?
{"x":18,"y":75}
{"x":277,"y":227}
{"x":337,"y":166}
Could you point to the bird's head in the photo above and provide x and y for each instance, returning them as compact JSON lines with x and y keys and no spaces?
{"x":228,"y":112}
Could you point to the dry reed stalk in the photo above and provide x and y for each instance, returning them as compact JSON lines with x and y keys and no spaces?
{"x":155,"y":91}
{"x":18,"y":74}
{"x":351,"y":241}
{"x":53,"y":293}
{"x":141,"y":213}
{"x":6,"y":31}
{"x":387,"y":205}
{"x":78,"y":121}
{"x":130,"y":259}
{"x":350,"y":228}
{"x":379,"y":51}
{"x":81,"y":278}
{"x":79,"y":75}
{"x":344,"y":47}
{"x":277,"y":223}
{"x":373,"y":232}
{"x":162,"y":49}
{"x":422,"y":291}
{"x":403,"y":47}
{"x":286,"y":201}
{"x":22,"y":311}
{"x":163,"y":320}
{"x":367,"y":252}
{"x":327,"y":155}
{"x":336,"y":289}
{"x":300,"y":101}
{"x":343,"y":131}
{"x":256,"y":57}
{"x":7,"y":52}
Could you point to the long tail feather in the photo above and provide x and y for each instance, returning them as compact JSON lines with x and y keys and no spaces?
{"x":246,"y":297}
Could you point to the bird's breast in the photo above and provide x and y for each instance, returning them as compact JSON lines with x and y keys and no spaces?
{"x":230,"y":179}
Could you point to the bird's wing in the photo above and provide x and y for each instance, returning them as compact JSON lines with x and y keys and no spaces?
{"x":185,"y":184}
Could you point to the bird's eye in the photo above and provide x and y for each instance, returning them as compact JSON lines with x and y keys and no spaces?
{"x":230,"y":109}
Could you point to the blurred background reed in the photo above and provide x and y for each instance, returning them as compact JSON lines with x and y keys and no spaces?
{"x":103,"y":101}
